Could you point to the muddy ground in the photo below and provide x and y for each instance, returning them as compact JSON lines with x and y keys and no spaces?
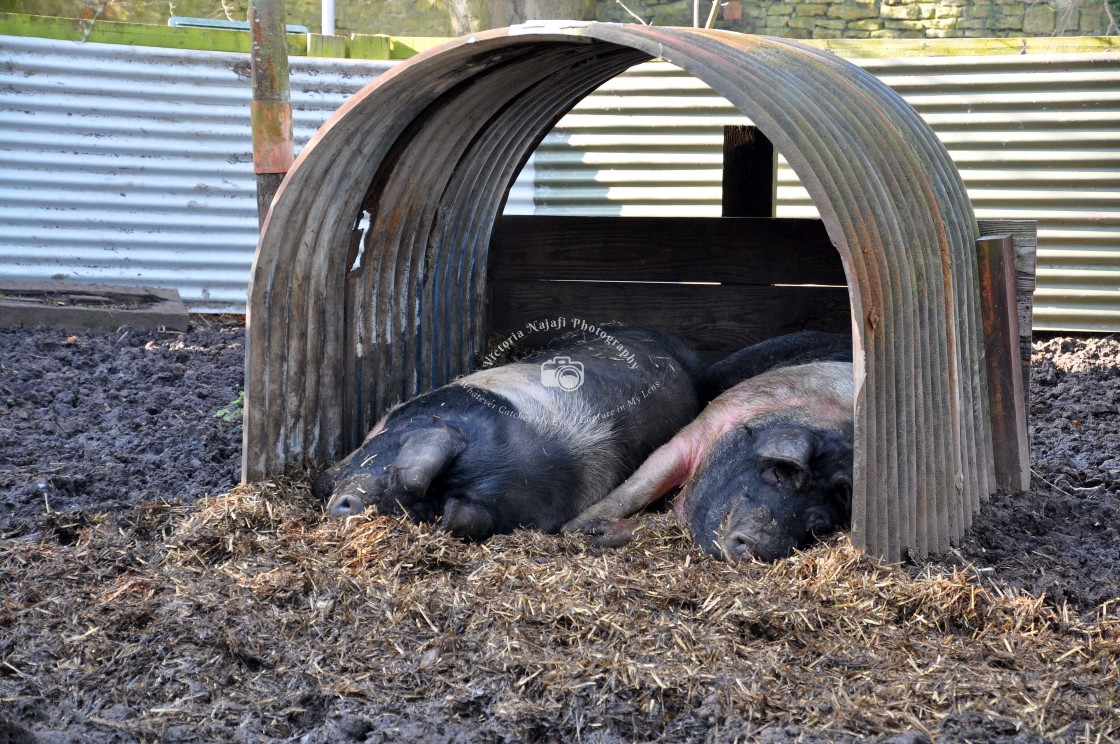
{"x":113,"y":443}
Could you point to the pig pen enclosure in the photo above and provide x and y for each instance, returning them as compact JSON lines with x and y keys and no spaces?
{"x":145,"y":599}
{"x":379,"y":275}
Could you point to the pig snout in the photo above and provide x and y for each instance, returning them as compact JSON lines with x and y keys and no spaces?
{"x":767,"y":536}
{"x":748,"y":536}
{"x":390,"y":473}
{"x":345,"y":504}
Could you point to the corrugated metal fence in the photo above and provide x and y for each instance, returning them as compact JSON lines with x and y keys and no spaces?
{"x":133,"y":164}
{"x":1035,"y":136}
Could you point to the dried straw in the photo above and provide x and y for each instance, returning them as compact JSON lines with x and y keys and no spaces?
{"x":248,"y":615}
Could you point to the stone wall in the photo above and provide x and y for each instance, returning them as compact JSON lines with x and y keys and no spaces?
{"x":879,"y":19}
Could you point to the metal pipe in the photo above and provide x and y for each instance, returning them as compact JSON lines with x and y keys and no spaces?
{"x":328,"y":17}
{"x":271,"y":109}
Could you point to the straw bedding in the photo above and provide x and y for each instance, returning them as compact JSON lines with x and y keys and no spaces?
{"x":244,"y":615}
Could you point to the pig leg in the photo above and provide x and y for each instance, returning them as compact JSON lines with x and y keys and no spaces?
{"x":664,"y":470}
{"x":612,"y":533}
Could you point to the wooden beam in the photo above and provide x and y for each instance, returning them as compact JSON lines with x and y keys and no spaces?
{"x":271,"y":108}
{"x":665,"y":249}
{"x":1006,"y":402}
{"x":750,"y":172}
{"x":1024,"y":236}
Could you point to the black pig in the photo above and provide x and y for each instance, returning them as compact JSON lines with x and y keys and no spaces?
{"x":766,"y":467}
{"x":531,"y":443}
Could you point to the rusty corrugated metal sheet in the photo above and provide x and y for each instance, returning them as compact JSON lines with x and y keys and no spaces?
{"x":427,"y":153}
{"x":1034,"y":136}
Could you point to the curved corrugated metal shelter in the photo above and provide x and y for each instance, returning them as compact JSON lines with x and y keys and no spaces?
{"x":426,"y":154}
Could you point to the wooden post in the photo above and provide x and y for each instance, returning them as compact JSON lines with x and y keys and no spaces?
{"x":749,"y":173}
{"x":271,"y":109}
{"x":1006,"y":401}
{"x":1024,"y":236}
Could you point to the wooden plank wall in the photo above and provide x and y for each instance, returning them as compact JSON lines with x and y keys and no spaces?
{"x":722,"y":283}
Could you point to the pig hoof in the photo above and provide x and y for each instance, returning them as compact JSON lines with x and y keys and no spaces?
{"x":610,"y":533}
{"x":346,"y":505}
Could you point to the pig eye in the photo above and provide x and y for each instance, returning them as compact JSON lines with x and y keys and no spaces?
{"x":779,"y":474}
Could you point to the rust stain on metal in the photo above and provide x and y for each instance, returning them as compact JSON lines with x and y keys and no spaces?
{"x":430,"y":149}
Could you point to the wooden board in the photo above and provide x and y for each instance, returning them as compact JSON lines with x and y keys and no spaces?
{"x":73,"y":306}
{"x":1024,"y":237}
{"x":712,"y":281}
{"x":730,"y":250}
{"x":1006,"y":399}
{"x":715,"y":319}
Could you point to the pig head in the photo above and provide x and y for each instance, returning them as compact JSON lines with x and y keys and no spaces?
{"x":391,"y":473}
{"x":764,"y":468}
{"x":763,"y":493}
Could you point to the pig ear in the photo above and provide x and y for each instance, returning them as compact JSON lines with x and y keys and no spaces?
{"x":783,"y":456}
{"x":424,"y":455}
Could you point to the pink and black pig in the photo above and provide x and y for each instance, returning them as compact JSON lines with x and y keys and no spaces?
{"x":527,"y":444}
{"x":766,"y":467}
{"x":781,"y":351}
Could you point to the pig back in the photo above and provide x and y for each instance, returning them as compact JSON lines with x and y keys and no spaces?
{"x":635,"y":389}
{"x":788,"y":350}
{"x":818,"y":394}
